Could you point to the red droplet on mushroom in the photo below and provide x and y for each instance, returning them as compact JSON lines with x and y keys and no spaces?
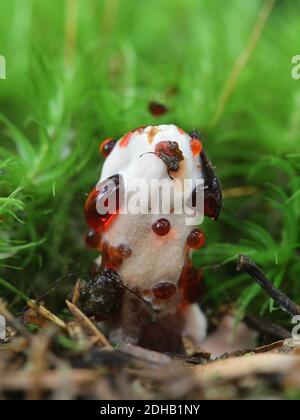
{"x":98,"y":199}
{"x":93,"y":239}
{"x":196,"y":146}
{"x":164,"y":290}
{"x":107,"y":146}
{"x":181,"y":131}
{"x":161,"y":227}
{"x":157,"y":109}
{"x":211,"y":207}
{"x":125,"y":140}
{"x":196,"y":239}
{"x":90,"y":211}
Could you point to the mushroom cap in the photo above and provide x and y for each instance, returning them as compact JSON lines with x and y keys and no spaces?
{"x":154,"y":259}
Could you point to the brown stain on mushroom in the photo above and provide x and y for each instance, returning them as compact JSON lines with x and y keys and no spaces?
{"x":191,"y":283}
{"x":112,"y":257}
{"x":181,"y":171}
{"x":152,"y":133}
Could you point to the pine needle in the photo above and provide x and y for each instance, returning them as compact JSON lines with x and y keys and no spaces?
{"x":243,"y":59}
{"x":87,"y":325}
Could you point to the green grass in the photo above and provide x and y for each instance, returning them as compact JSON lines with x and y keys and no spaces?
{"x":79,"y":72}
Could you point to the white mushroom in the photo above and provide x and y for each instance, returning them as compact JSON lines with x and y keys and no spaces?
{"x":154,"y":256}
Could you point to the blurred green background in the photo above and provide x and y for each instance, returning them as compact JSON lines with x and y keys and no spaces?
{"x":79,"y":71}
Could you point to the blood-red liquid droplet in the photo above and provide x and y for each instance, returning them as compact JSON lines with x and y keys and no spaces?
{"x":157,"y":109}
{"x":161,"y":227}
{"x":90,"y":211}
{"x":196,"y":239}
{"x":196,"y":146}
{"x":95,"y":220}
{"x":107,"y":146}
{"x":164,"y":290}
{"x":108,"y":189}
{"x":211,"y":207}
{"x":181,"y":131}
{"x":93,"y":239}
{"x":125,"y":140}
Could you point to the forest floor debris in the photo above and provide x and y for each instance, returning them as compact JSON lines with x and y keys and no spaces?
{"x":52,"y":362}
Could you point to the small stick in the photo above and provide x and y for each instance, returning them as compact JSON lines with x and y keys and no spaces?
{"x":266,"y":327}
{"x":51,"y":379}
{"x":87,"y":325}
{"x":76,"y":293}
{"x":45,"y":313}
{"x":245,"y":264}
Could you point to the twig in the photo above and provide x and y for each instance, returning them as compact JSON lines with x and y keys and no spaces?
{"x":87,"y":325}
{"x":76,"y":293}
{"x":145,"y":354}
{"x":51,"y":379}
{"x":245,"y":264}
{"x":243,"y":59}
{"x":41,"y":310}
{"x":266,"y":327}
{"x":45,"y":313}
